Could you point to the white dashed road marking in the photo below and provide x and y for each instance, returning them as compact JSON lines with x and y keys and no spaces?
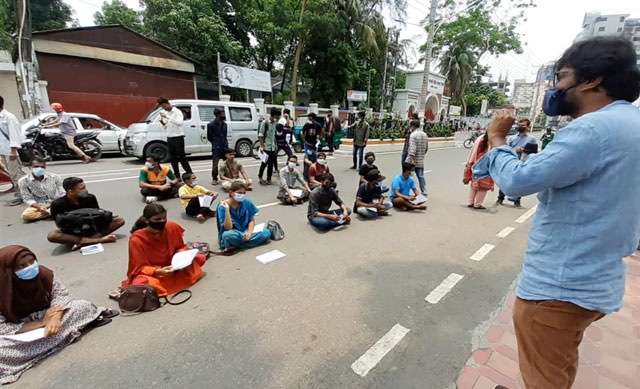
{"x":370,"y":359}
{"x":504,"y":233}
{"x":527,"y":215}
{"x":482,"y":252}
{"x":445,"y":287}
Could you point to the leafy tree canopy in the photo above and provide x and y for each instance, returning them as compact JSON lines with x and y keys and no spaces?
{"x":118,"y":12}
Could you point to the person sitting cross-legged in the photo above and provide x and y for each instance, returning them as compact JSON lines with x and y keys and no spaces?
{"x":369,"y":165}
{"x":232,"y":171}
{"x":320,"y":201}
{"x":401,"y":188}
{"x":289,"y":175}
{"x":318,"y":170}
{"x":153,"y":181}
{"x":236,"y":221}
{"x":78,"y":197}
{"x":190,"y":194}
{"x":367,"y":193}
{"x":38,"y":190}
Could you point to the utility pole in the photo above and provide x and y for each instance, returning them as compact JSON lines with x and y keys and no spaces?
{"x":25,"y":63}
{"x":296,"y":61}
{"x":384,"y":74}
{"x":427,"y":57}
{"x":395,"y":68}
{"x":219,"y":77}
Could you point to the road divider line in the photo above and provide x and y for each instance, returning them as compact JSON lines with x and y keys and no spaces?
{"x":445,"y":287}
{"x":363,"y":365}
{"x":268,"y":205}
{"x":527,"y":215}
{"x":482,"y":252}
{"x":505,"y":232}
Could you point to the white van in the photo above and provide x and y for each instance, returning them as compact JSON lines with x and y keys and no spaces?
{"x":149,"y":136}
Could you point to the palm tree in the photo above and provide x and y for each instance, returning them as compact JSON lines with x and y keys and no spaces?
{"x":458,"y":64}
{"x":364,"y":26}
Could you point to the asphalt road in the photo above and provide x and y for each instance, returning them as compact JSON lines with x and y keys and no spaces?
{"x":302,"y":321}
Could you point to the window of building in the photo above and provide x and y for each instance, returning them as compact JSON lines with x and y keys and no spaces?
{"x":601,"y":29}
{"x":240,"y":114}
{"x":601,"y":19}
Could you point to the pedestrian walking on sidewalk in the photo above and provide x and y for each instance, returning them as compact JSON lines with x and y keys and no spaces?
{"x":519,"y":143}
{"x":171,"y":119}
{"x":479,"y":188}
{"x":10,"y":142}
{"x":217,"y":135}
{"x":418,"y":147}
{"x":331,"y":127}
{"x":588,"y":185}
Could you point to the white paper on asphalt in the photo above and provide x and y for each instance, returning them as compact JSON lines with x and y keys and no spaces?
{"x":445,"y":287}
{"x":28,"y":336}
{"x":370,"y":359}
{"x":297,"y":193}
{"x":271,"y":256}
{"x":93,"y":249}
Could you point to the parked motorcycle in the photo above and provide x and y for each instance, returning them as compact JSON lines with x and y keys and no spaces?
{"x":50,"y":145}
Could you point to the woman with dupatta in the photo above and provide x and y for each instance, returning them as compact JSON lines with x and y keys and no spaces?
{"x":31,"y":298}
{"x":479,"y":188}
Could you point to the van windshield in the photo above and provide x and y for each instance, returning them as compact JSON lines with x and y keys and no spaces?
{"x":151,"y":115}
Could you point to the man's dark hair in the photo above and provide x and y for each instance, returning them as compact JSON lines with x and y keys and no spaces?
{"x":287,"y":111}
{"x":292,"y":156}
{"x":38,"y":160}
{"x":406,"y":167}
{"x":237,"y":185}
{"x":1,"y":102}
{"x":415,"y":116}
{"x":525,"y":121}
{"x":279,"y":127}
{"x":369,"y":154}
{"x":361,"y":114}
{"x":275,"y":112}
{"x":217,"y":112}
{"x":322,"y":155}
{"x":414,"y":123}
{"x":70,"y":183}
{"x":328,"y":176}
{"x":163,"y":100}
{"x":155,"y":157}
{"x":186,"y":176}
{"x":612,"y":58}
{"x":313,"y":116}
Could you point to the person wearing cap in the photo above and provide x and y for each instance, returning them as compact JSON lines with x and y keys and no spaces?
{"x":368,"y":192}
{"x":67,"y":129}
{"x":318,"y":170}
{"x":289,"y":176}
{"x":217,"y":135}
{"x":369,"y":165}
{"x":231,"y":171}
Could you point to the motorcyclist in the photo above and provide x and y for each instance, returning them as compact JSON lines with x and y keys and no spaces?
{"x":67,"y":129}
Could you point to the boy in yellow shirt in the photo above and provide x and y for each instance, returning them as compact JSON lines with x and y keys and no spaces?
{"x":191,"y":194}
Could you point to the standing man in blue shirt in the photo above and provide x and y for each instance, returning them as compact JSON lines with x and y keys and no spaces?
{"x":217,"y":135}
{"x":588,"y":185}
{"x":518,"y":142}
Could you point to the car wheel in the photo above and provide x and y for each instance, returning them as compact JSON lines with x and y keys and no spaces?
{"x":159,"y":150}
{"x":244,"y":148}
{"x":297,"y":148}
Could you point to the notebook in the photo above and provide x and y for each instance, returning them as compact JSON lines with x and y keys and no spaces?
{"x":183,"y":259}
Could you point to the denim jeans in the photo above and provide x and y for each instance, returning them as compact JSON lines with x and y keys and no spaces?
{"x":405,"y":154}
{"x":326,"y":224}
{"x":423,"y":182}
{"x":369,"y":214}
{"x":235,"y":239}
{"x":384,"y":188}
{"x":358,"y":150}
{"x":501,"y":197}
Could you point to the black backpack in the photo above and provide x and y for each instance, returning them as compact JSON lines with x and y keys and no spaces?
{"x":84,"y":221}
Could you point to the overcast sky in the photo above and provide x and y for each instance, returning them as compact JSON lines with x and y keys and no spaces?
{"x":549,"y":30}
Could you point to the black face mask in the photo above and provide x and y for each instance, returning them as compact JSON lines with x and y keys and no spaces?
{"x":158,"y":225}
{"x":84,"y":194}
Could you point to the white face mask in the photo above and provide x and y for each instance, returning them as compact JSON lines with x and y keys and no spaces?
{"x":292,"y":165}
{"x":322,"y":162}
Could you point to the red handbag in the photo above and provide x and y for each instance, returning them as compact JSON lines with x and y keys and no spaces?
{"x":468,"y":173}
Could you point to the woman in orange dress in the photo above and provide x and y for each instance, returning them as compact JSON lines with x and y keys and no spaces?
{"x":479,"y":188}
{"x":154,"y":241}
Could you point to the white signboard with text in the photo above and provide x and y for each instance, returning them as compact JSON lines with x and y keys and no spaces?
{"x":238,"y":77}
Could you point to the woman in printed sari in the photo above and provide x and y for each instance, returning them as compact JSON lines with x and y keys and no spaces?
{"x":32,"y":298}
{"x":479,"y":189}
{"x":153,"y":242}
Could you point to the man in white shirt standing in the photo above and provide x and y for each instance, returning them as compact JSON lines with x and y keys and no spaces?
{"x":10,"y":142}
{"x":171,"y":118}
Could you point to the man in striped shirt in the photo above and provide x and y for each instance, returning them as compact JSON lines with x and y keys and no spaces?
{"x":418,"y":147}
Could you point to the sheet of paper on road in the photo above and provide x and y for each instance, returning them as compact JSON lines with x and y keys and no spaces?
{"x":258,"y":228}
{"x":296,"y":192}
{"x":373,"y":209}
{"x":419,"y":200}
{"x":205,"y":201}
{"x":28,"y":336}
{"x":263,"y":156}
{"x":93,"y":249}
{"x":183,"y":259}
{"x":271,"y":256}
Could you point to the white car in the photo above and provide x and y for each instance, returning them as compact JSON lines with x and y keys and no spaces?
{"x":109,"y":134}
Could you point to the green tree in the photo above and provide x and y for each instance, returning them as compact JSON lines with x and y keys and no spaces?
{"x":458,"y":64}
{"x":118,"y":12}
{"x":45,"y":15}
{"x":7,"y":26}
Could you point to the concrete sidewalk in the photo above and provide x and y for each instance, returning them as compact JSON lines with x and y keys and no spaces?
{"x":609,"y":353}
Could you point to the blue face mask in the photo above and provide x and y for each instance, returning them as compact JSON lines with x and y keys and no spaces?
{"x":555,"y":103}
{"x":149,"y":165}
{"x":39,"y":171}
{"x":194,"y":183}
{"x":239,"y":197}
{"x":30,"y":272}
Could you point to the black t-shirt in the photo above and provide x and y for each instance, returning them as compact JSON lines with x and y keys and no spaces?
{"x":367,"y":195}
{"x":63,"y":205}
{"x":365,"y":169}
{"x":310,"y":133}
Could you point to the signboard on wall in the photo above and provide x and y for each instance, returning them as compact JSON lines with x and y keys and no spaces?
{"x":455,"y":110}
{"x":357,"y":95}
{"x":238,"y":77}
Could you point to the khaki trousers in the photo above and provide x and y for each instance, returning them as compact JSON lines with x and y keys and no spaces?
{"x":549,"y":333}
